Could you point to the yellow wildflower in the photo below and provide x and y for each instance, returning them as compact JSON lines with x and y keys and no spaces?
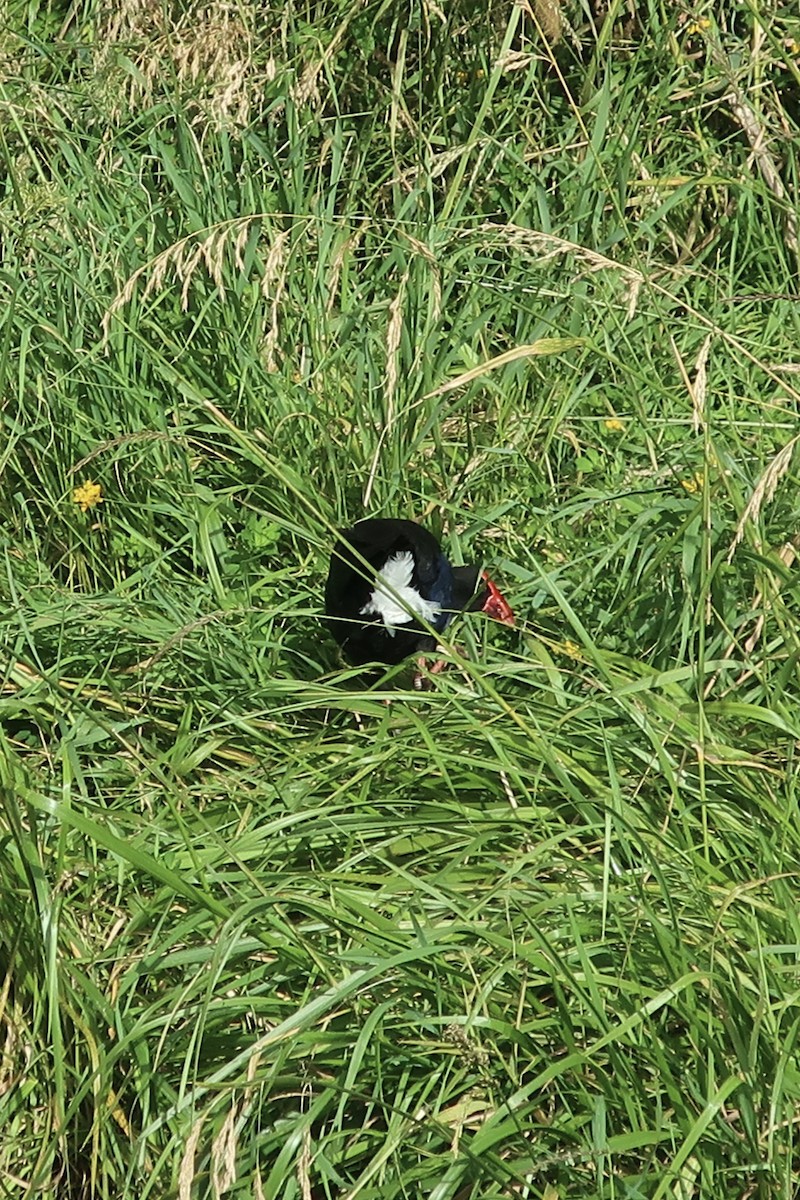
{"x":614,"y":425}
{"x":694,"y":484}
{"x":572,"y":650}
{"x":698,"y":26}
{"x":88,"y":495}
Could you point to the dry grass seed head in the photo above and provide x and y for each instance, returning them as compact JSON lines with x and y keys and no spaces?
{"x":547,"y":247}
{"x":394,"y":332}
{"x":346,"y":247}
{"x":223,"y":1154}
{"x":187,"y":1171}
{"x":272,"y":287}
{"x":210,"y":49}
{"x":700,"y":386}
{"x":185,"y":266}
{"x":436,"y":278}
{"x":764,"y":490}
{"x":183,"y":259}
{"x":213,"y":252}
{"x":240,"y":245}
{"x":550,"y":20}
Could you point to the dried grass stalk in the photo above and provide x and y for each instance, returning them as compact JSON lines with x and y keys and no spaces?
{"x":436,"y":276}
{"x":211,"y":250}
{"x":272,"y":287}
{"x":700,"y":386}
{"x":209,"y":46}
{"x":223,"y":1155}
{"x":764,"y":491}
{"x":756,"y":136}
{"x":344,"y":249}
{"x":394,"y":331}
{"x":787,"y":556}
{"x":186,"y":1172}
{"x":546,"y":246}
{"x":304,"y":1166}
{"x":755,"y":132}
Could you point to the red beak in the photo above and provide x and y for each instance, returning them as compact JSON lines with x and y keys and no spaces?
{"x":496,"y":605}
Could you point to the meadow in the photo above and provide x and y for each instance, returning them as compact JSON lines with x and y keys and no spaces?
{"x":273,"y":928}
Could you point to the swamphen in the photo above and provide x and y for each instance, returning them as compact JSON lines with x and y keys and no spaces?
{"x":384,"y":574}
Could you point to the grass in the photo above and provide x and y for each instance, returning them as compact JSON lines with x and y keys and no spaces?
{"x":271,"y":928}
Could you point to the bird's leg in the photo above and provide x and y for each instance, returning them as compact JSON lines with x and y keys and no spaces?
{"x":421,"y":681}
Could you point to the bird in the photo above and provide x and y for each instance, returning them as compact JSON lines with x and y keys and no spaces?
{"x":390,"y":583}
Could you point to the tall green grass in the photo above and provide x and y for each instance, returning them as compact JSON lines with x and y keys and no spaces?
{"x":270,"y":927}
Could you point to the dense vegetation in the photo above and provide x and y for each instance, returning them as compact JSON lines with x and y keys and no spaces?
{"x":528,"y":273}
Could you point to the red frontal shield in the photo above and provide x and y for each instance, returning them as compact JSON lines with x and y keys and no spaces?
{"x":496,"y":605}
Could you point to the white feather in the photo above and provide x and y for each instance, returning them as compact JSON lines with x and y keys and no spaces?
{"x":394,"y":600}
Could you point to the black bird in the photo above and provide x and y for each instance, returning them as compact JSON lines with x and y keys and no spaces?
{"x":386,"y":573}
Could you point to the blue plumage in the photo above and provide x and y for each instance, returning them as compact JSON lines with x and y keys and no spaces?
{"x":389,"y":581}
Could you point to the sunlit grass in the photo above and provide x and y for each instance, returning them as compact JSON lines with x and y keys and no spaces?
{"x":272,"y":928}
